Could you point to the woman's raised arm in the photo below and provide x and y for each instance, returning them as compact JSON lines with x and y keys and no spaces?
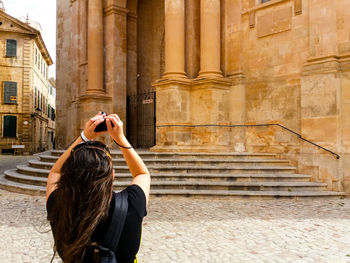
{"x":138,"y":169}
{"x":55,"y":173}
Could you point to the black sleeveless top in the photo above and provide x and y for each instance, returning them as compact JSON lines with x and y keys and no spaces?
{"x":130,"y":238}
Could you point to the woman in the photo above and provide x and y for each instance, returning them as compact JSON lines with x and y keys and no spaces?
{"x":80,"y":198}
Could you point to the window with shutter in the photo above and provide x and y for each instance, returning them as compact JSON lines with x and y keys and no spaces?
{"x":10,"y":126}
{"x":38,"y":100}
{"x":264,"y":1}
{"x":11,"y":48}
{"x":10,"y":92}
{"x":35,"y":98}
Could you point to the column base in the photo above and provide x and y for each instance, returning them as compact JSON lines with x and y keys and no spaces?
{"x":174,"y":75}
{"x":210,"y":74}
{"x":93,"y":92}
{"x":88,"y":106}
{"x":182,"y":105}
{"x":95,"y":97}
{"x":91,"y":104}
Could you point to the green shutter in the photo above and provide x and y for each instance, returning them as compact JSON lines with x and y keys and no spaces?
{"x":50,"y":111}
{"x":11,"y":48}
{"x":10,"y":92}
{"x":10,"y":126}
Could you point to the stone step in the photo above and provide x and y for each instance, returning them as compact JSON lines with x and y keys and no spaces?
{"x":12,"y":175}
{"x":190,"y":168}
{"x":219,"y":169}
{"x":242,"y":186}
{"x":40,"y":190}
{"x":249,"y":194}
{"x":174,"y":155}
{"x":26,"y":170}
{"x":191,"y":161}
{"x":229,"y":175}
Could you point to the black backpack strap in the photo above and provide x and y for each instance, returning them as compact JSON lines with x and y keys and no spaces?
{"x":115,"y":228}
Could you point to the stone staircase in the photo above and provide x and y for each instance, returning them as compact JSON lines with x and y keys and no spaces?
{"x":259,"y":175}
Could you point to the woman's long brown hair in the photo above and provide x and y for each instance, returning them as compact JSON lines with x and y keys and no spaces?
{"x":82,"y":199}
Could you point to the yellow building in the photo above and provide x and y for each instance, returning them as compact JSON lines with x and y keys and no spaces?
{"x":212,"y":63}
{"x":51,"y":112}
{"x":24,"y":111}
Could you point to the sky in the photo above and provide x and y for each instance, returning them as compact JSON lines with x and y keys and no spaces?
{"x":42,"y":11}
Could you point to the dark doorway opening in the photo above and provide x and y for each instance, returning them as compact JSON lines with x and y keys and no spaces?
{"x":141,"y":119}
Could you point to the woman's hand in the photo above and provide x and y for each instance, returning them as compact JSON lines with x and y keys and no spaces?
{"x":89,"y":130}
{"x":115,"y":132}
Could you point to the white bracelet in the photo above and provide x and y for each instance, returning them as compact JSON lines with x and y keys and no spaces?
{"x":82,"y":135}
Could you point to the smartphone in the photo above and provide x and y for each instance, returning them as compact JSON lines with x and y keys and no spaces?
{"x":102,"y":126}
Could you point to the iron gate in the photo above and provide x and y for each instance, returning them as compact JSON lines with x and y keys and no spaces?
{"x":141,"y":119}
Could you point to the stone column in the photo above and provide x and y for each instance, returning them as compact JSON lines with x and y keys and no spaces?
{"x":115,"y":33}
{"x":210,"y":39}
{"x":174,"y":39}
{"x":95,"y":47}
{"x":192,"y":38}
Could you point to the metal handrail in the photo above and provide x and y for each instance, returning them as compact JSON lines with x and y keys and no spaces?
{"x":251,"y":125}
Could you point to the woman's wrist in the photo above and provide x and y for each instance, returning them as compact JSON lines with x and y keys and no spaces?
{"x":122,"y":142}
{"x":83,"y":137}
{"x":89,"y":136}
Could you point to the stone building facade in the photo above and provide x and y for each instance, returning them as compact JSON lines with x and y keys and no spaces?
{"x":51,"y":113}
{"x":24,"y":95}
{"x":215,"y":62}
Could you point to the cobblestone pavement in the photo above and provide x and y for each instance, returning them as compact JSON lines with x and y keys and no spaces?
{"x":187,"y":230}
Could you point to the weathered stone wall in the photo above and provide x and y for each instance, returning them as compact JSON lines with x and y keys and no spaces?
{"x":284,"y":61}
{"x":65,"y":129}
{"x":270,"y":63}
{"x":345,"y":120}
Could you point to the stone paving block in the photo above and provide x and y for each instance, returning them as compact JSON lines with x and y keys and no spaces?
{"x":194,"y":230}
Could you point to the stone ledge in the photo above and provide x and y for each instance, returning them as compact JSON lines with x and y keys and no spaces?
{"x":326,"y":64}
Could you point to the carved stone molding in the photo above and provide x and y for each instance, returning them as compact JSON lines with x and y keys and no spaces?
{"x":114,"y":9}
{"x":326,"y":64}
{"x":132,"y":16}
{"x":253,"y":8}
{"x":237,"y":78}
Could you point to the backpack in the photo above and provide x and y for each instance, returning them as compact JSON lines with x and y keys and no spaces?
{"x":110,"y":243}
